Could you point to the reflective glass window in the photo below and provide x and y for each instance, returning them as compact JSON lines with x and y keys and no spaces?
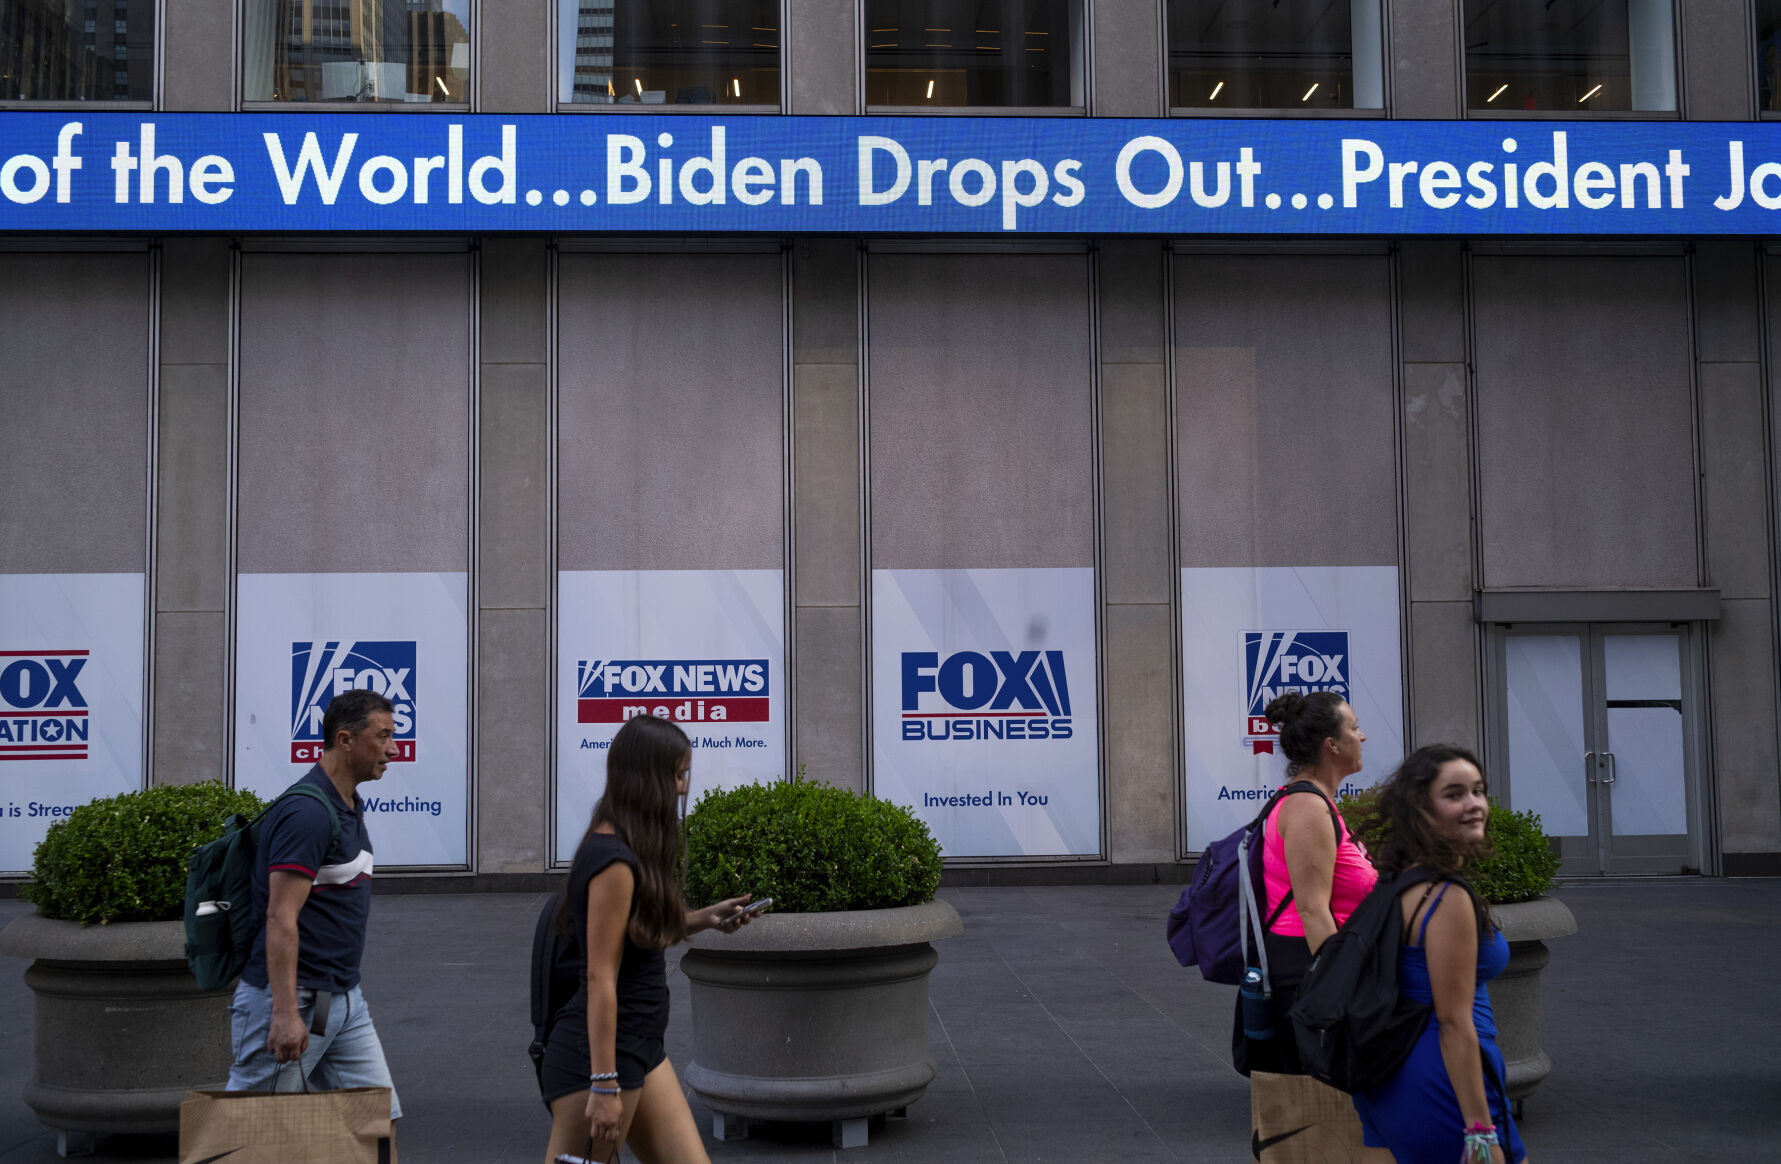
{"x":1768,"y":53}
{"x":1275,"y":54}
{"x":1577,"y":56}
{"x":1016,"y":53}
{"x":668,"y":52}
{"x":387,"y":51}
{"x":53,"y":51}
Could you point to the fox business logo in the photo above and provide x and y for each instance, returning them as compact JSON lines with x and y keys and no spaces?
{"x":1280,"y":661}
{"x":683,"y":690}
{"x":998,"y":696}
{"x":43,"y":715}
{"x":322,"y":670}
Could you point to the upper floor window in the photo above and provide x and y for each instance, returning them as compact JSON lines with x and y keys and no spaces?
{"x":1768,"y":54}
{"x":1275,"y":54}
{"x":668,"y":52}
{"x":388,"y":51}
{"x":52,"y":52}
{"x":962,"y":53}
{"x":1570,"y":56}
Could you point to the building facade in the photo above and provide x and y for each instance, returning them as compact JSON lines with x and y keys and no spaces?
{"x":1017,"y":527}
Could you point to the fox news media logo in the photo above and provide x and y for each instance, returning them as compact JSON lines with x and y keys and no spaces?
{"x":683,"y":690}
{"x":998,"y":696}
{"x":320,"y":671}
{"x":1277,"y":661}
{"x":43,"y":715}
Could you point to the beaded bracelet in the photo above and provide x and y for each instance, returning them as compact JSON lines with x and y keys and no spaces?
{"x":602,"y":1075}
{"x":604,"y":1090}
{"x":1478,"y":1144}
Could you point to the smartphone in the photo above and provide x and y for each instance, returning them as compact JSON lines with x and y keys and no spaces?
{"x":756,"y":908}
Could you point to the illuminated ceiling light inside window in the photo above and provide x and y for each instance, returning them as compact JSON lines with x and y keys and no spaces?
{"x":736,"y":85}
{"x":1497,"y":94}
{"x":1216,"y":90}
{"x":930,"y":89}
{"x":638,"y":81}
{"x":440,"y":81}
{"x":1589,"y":94}
{"x":1311,"y":90}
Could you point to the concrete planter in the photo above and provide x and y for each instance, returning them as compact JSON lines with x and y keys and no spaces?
{"x":815,"y":1016}
{"x":120,"y":1029}
{"x":1515,"y":994}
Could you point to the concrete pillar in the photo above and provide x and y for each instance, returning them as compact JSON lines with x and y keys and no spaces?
{"x":192,"y":580}
{"x":1718,"y":65}
{"x":513,"y":582}
{"x":1128,"y":54}
{"x":828,"y":565}
{"x":820,"y":45}
{"x":1735,"y":483}
{"x":197,"y":39}
{"x":1438,"y":512}
{"x":1141,"y":638}
{"x":1424,"y":58}
{"x":516,"y":63}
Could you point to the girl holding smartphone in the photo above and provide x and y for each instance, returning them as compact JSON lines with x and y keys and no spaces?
{"x":606,"y":1075}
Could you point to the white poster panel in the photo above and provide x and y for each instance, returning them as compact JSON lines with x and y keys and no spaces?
{"x":1250,"y":633}
{"x":70,"y":700}
{"x":301,"y":639}
{"x":984,"y":707}
{"x":704,"y":648}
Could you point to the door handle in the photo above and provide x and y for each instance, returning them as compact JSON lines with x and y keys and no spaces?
{"x":1613,"y":768}
{"x":1589,"y":767}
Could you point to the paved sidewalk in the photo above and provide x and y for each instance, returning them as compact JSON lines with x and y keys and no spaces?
{"x":1063,"y":1030}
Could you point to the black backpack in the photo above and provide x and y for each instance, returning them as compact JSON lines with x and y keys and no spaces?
{"x":1353,"y":1027}
{"x":221,"y":921}
{"x":556,"y":976}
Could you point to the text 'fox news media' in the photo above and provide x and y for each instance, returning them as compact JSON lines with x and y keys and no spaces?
{"x":178,"y":172}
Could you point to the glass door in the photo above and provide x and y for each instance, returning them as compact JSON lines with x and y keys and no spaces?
{"x":1596,"y":725}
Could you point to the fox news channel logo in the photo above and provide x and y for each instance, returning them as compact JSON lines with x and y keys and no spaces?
{"x":1278,"y":661}
{"x":322,"y":670}
{"x":975,"y":696}
{"x":43,"y":715}
{"x":683,"y":690}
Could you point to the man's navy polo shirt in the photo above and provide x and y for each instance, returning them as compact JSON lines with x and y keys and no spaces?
{"x":294,"y":838}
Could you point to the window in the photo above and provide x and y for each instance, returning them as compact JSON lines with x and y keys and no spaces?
{"x":50,"y":52}
{"x":1570,"y":56}
{"x":1768,"y":54}
{"x":961,"y":53}
{"x":668,"y":52}
{"x":1275,"y":54}
{"x":387,"y":51}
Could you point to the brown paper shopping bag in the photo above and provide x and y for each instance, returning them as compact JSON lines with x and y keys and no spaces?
{"x":351,"y":1126}
{"x":1297,"y":1120}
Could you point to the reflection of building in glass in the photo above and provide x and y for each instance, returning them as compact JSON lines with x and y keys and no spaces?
{"x":79,"y":50}
{"x":367,"y":50}
{"x":593,"y":52}
{"x":676,"y":52}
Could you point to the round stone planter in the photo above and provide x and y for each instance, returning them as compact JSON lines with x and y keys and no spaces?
{"x":1515,"y":993}
{"x":814,"y":1016}
{"x":120,"y":1029}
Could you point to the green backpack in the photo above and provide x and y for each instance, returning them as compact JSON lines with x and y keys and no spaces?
{"x":221,"y":921}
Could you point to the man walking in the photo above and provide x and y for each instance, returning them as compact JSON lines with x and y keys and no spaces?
{"x":299,"y":997}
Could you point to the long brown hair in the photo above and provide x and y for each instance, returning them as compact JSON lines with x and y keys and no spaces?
{"x":1413,"y":840}
{"x":643,"y":808}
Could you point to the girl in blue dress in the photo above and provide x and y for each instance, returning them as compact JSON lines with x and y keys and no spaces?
{"x":1447,"y":1102}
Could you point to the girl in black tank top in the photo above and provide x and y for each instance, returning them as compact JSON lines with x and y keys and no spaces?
{"x":604,"y":1065}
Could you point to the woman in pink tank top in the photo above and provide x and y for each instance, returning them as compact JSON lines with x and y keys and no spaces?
{"x":1315,"y":872}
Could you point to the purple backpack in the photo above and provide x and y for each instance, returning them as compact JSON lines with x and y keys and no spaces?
{"x":1211,"y":926}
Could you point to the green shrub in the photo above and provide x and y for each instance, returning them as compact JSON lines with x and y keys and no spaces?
{"x":810,"y":847}
{"x":124,"y":858}
{"x":1521,"y":864}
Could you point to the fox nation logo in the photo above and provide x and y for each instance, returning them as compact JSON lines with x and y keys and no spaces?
{"x":1278,"y":661}
{"x":683,"y":690}
{"x":43,"y":715}
{"x":998,"y":696}
{"x":322,"y":670}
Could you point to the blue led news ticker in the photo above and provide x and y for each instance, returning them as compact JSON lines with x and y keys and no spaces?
{"x":110,"y":171}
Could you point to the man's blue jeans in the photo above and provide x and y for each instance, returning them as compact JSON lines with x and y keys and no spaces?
{"x":346,"y":1054}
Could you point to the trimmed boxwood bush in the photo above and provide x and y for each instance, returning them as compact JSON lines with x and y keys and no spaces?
{"x":1521,"y":864}
{"x":123,"y":858}
{"x":810,"y":847}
